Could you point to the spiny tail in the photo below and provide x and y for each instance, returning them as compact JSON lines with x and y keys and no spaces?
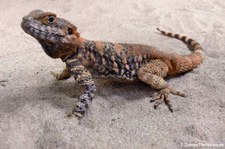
{"x":185,"y":63}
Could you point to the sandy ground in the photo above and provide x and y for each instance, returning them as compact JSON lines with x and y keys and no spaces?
{"x":33,"y":104}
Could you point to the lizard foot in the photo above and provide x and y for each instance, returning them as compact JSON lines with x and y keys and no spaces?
{"x":78,"y":111}
{"x":163,"y":95}
{"x":82,"y":105}
{"x":59,"y":76}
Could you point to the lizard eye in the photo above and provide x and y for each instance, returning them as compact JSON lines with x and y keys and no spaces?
{"x":70,"y":31}
{"x":51,"y":19}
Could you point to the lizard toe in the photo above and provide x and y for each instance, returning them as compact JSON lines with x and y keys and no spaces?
{"x":56,"y":75}
{"x":162,"y":97}
{"x":174,"y":92}
{"x":60,"y":76}
{"x":79,"y":110}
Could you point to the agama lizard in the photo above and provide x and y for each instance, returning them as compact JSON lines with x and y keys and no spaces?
{"x":86,"y":59}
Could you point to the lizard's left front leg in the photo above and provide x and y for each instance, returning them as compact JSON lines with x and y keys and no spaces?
{"x":83,"y":76}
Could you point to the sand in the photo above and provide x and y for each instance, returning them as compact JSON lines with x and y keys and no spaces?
{"x":33,"y":104}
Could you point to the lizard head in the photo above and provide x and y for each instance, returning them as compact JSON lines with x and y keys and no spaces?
{"x":57,"y":36}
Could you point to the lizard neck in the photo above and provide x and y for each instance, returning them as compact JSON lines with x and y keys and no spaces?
{"x":74,"y":53}
{"x":84,"y":52}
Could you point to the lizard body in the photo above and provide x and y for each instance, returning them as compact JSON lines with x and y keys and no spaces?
{"x":87,"y":59}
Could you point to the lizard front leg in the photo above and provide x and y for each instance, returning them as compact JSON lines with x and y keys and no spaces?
{"x":83,"y":76}
{"x":65,"y":74}
{"x":152,"y":73}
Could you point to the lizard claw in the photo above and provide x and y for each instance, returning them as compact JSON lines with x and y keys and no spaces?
{"x":73,"y":113}
{"x":163,"y":95}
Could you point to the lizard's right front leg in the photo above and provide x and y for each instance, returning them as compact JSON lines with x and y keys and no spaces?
{"x":83,"y":76}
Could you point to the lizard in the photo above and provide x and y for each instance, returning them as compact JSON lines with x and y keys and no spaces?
{"x":88,"y":59}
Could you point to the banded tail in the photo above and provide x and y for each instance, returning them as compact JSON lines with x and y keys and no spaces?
{"x":181,"y":64}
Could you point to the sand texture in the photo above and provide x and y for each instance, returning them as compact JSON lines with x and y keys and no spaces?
{"x":33,"y":104}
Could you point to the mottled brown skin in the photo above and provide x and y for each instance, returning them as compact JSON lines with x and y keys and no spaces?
{"x":86,"y":59}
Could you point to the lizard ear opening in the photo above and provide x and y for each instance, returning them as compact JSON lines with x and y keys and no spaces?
{"x":73,"y":30}
{"x":70,"y":31}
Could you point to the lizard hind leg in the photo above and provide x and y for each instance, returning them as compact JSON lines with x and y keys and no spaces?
{"x":152,"y":73}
